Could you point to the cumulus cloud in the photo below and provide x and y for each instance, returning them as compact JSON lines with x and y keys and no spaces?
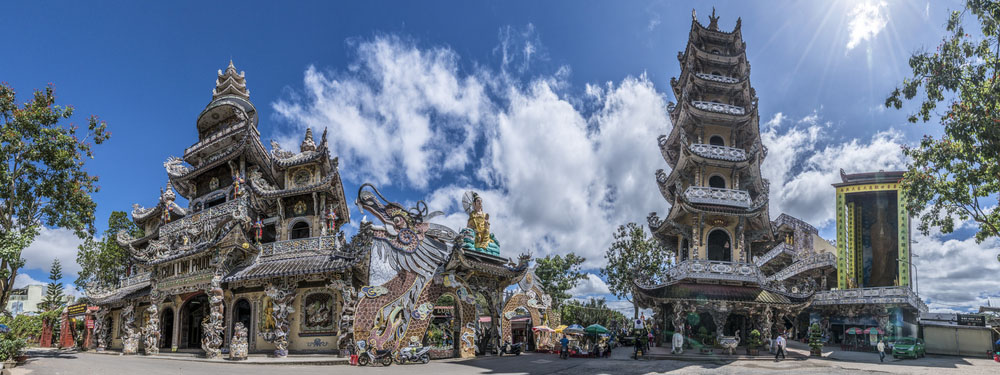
{"x":22,"y":280}
{"x":398,"y":112}
{"x":557,"y":172}
{"x":591,"y":286}
{"x":866,"y":20}
{"x":953,"y":274}
{"x":801,"y":170}
{"x":52,"y":244}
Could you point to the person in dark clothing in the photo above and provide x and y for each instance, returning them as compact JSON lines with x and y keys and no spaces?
{"x":564,"y":351}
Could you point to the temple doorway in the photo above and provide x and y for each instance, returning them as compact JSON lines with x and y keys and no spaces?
{"x":241,"y":314}
{"x":719,"y":246}
{"x":167,"y":328}
{"x":193,"y":312}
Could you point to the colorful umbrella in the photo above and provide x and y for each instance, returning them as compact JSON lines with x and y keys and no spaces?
{"x":574,"y":329}
{"x":560,"y":329}
{"x":542,"y":328}
{"x":854,"y":331}
{"x":870,"y":329}
{"x":595,"y":328}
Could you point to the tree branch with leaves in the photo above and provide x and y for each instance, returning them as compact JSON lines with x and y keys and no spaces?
{"x":42,"y":178}
{"x":633,"y":255}
{"x":951,"y":176}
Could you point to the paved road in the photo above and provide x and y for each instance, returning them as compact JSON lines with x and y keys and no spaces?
{"x":56,"y":363}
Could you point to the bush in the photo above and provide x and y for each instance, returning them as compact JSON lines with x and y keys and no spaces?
{"x":755,"y":341}
{"x":24,"y":326}
{"x":11,"y":347}
{"x":815,"y":337}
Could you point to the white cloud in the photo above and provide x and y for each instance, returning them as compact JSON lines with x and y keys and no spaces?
{"x":800,"y":170}
{"x":654,"y":21}
{"x":22,"y":280}
{"x":866,"y":20}
{"x":592,"y":286}
{"x":52,"y":244}
{"x":956,"y":275}
{"x":399,"y":112}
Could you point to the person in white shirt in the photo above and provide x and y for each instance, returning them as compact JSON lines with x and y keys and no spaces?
{"x":780,"y":347}
{"x":881,"y":351}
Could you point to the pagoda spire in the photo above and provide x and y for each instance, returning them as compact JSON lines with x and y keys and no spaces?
{"x":231,"y":83}
{"x":308,"y":144}
{"x":713,"y":21}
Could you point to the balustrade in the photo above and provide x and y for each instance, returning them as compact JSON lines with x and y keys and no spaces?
{"x":719,"y":108}
{"x":718,"y":152}
{"x":717,"y":196}
{"x":717,"y":78}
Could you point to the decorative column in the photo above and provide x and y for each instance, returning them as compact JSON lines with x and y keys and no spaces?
{"x":720,"y":314}
{"x":765,"y":328}
{"x":152,"y":328}
{"x":346,"y":324}
{"x":176,"y":334}
{"x":130,"y":342}
{"x":65,"y":330}
{"x":101,"y":329}
{"x":282,"y":295}
{"x":212,"y":329}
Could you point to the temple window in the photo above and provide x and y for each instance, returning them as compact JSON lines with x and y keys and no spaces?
{"x":716,"y":141}
{"x":299,"y":230}
{"x":719,"y":246}
{"x":318,"y":313}
{"x":215,"y":201}
{"x":717,"y":182}
{"x":684,"y":249}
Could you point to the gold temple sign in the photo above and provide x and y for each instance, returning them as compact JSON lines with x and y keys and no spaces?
{"x":868,"y":187}
{"x":77,"y":309}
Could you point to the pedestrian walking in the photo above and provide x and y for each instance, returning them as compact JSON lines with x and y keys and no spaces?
{"x":779,"y":344}
{"x":564,"y":351}
{"x":881,"y":350}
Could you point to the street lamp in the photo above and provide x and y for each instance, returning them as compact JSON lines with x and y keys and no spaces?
{"x":914,"y":266}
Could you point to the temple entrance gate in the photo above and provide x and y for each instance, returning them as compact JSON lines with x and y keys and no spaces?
{"x":192,"y":314}
{"x":167,"y":328}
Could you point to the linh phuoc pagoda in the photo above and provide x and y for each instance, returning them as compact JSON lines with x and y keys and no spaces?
{"x":736,"y":270}
{"x":258,"y":262}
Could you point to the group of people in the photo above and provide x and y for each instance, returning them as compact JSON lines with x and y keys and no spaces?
{"x":601,"y":348}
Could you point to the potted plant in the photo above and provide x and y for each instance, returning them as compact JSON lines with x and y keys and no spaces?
{"x":815,"y":340}
{"x":10,"y":348}
{"x":753,"y":347}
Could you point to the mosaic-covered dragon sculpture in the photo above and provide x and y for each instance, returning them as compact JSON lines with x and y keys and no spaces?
{"x":406,"y":253}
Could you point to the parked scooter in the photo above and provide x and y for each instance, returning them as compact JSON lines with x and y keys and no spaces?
{"x":508,"y":348}
{"x":414,"y":353}
{"x":375,"y":356}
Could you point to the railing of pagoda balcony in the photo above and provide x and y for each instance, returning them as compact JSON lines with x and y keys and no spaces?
{"x":877,"y":295}
{"x":136,"y":279}
{"x":719,"y":108}
{"x":777,"y":250}
{"x":803,"y":264}
{"x":717,"y":78}
{"x":227,"y":208}
{"x":715,"y":270}
{"x":722,"y":197}
{"x":324,"y":243}
{"x":718,"y":152}
{"x":215,"y":136}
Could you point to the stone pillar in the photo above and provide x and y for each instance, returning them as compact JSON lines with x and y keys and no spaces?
{"x":65,"y":330}
{"x":130,"y":342}
{"x":765,"y":326}
{"x":176,"y":334}
{"x":282,"y":295}
{"x":720,"y":314}
{"x":46,"y":340}
{"x":212,"y":329}
{"x":151,"y":330}
{"x":101,"y":329}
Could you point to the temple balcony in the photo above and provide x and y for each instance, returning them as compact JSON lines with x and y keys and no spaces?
{"x":325,"y":244}
{"x":868,"y":296}
{"x":204,"y":216}
{"x":717,"y":196}
{"x":718,"y":152}
{"x":782,"y":250}
{"x":136,"y":279}
{"x":717,"y":78}
{"x":719,"y":108}
{"x":715,"y":270}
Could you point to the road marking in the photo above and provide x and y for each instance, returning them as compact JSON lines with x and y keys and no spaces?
{"x":541,"y":361}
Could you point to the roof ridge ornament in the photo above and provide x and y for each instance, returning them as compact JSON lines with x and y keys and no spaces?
{"x":231,"y":83}
{"x":308,"y":144}
{"x":713,"y":21}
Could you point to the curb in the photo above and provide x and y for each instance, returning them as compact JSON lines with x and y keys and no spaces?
{"x":318,"y":362}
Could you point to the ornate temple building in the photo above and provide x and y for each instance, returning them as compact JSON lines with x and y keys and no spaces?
{"x":257,"y":260}
{"x":736,"y":269}
{"x":873,"y":288}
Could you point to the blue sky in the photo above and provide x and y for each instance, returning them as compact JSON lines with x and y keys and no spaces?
{"x":550,"y":109}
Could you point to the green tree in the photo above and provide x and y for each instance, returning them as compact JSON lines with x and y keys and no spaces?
{"x":952,"y":175}
{"x":591,"y":311}
{"x":54,"y":290}
{"x":43,"y":180}
{"x":633,"y":255}
{"x":104,"y":261}
{"x":557,"y":275}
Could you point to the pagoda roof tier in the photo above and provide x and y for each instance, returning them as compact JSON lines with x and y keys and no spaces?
{"x":700,"y":112}
{"x":119,"y":295}
{"x":707,"y":82}
{"x":879,"y":177}
{"x":707,"y":154}
{"x":249,"y":145}
{"x":736,"y":57}
{"x":190,"y":235}
{"x":712,"y":32}
{"x":695,"y":292}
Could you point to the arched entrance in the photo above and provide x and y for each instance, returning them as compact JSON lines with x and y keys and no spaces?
{"x":719,"y":246}
{"x":241,"y":314}
{"x":167,"y":328}
{"x":193,"y":312}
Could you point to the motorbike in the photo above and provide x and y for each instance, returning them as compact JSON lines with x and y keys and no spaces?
{"x":414,"y":354}
{"x":375,"y":356}
{"x":508,"y":348}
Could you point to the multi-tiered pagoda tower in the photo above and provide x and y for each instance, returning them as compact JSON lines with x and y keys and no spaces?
{"x":718,"y":224}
